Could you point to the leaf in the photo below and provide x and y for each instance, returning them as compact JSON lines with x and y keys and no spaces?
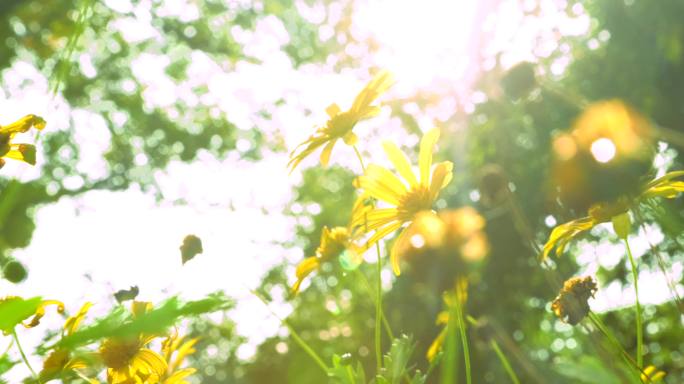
{"x":14,"y":310}
{"x":343,"y":373}
{"x":121,"y":324}
{"x":126,"y":294}
{"x":191,"y":247}
{"x":396,"y":360}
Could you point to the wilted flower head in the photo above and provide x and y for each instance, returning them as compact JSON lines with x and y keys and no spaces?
{"x":333,"y":243}
{"x":571,"y":305}
{"x":341,"y":123}
{"x":493,"y":185}
{"x":22,"y":152}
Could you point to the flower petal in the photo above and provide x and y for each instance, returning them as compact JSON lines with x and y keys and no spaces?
{"x":400,"y":162}
{"x":441,"y":176}
{"x":325,"y":155}
{"x":333,"y":110}
{"x":382,"y":184}
{"x":379,"y":234}
{"x":399,"y":243}
{"x":155,"y":363}
{"x":427,"y":145}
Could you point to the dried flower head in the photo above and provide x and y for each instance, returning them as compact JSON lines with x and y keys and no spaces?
{"x":571,"y":305}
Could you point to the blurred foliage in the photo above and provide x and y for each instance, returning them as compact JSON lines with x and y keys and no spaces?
{"x":633,"y":52}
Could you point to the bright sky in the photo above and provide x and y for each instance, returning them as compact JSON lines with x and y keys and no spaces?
{"x":236,"y":207}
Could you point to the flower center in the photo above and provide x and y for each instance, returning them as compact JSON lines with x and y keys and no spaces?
{"x":341,"y":124}
{"x":414,"y":201}
{"x":118,"y":354}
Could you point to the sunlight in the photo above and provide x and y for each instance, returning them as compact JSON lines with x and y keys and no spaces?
{"x":603,"y":150}
{"x":420,"y":43}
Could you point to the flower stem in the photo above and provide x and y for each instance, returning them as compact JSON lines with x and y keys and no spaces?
{"x":365,"y":282}
{"x":314,"y":356}
{"x":504,"y":362}
{"x":378,"y":310}
{"x":639,"y":330}
{"x":462,"y":329}
{"x":23,"y":355}
{"x":378,"y":287}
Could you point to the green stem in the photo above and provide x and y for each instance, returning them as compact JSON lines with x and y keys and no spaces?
{"x":378,"y":310}
{"x":314,"y":356}
{"x":385,"y":322}
{"x":639,"y":330}
{"x":23,"y":355}
{"x":464,"y":337}
{"x":504,"y":362}
{"x":378,"y":286}
{"x":450,"y":358}
{"x":616,"y":344}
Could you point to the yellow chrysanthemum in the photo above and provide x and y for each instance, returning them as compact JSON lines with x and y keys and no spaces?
{"x":341,"y":123}
{"x":407,"y":198}
{"x":128,"y":360}
{"x":333,"y":243}
{"x":60,"y":362}
{"x":22,"y":152}
{"x":175,"y":349}
{"x":666,"y":186}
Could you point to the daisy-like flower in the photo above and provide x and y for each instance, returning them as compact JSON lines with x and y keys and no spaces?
{"x":341,"y":123}
{"x":407,"y":198}
{"x":60,"y":363}
{"x":22,"y":152}
{"x":129,"y":360}
{"x":666,"y":186}
{"x":175,"y":349}
{"x":333,"y":243}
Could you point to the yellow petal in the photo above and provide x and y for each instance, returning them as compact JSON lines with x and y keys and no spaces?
{"x":304,"y":269}
{"x":563,"y":233}
{"x":24,"y":124}
{"x":400,"y":162}
{"x":73,"y":322}
{"x":350,"y":138}
{"x":22,"y":152}
{"x":399,"y":243}
{"x":378,"y":85}
{"x":325,"y":155}
{"x":436,"y":345}
{"x":381,"y":184}
{"x":427,"y":145}
{"x":333,"y":110}
{"x":379,"y":234}
{"x":441,"y":177}
{"x":374,"y":219}
{"x":155,"y":363}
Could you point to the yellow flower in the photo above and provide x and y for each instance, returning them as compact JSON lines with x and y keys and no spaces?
{"x":407,"y":198}
{"x":446,"y":232}
{"x":460,"y":293}
{"x":341,"y":123}
{"x":628,"y":132}
{"x":665,"y":186}
{"x":59,"y":362}
{"x":175,"y":350}
{"x":128,"y":360}
{"x":333,"y":243}
{"x":22,"y":152}
{"x":652,"y":375}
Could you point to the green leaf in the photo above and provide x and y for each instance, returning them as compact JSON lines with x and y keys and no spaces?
{"x":14,"y":310}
